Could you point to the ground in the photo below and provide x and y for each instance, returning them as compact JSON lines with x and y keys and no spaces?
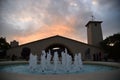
{"x":111,"y":75}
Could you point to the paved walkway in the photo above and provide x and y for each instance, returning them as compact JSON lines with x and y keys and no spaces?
{"x":111,"y":75}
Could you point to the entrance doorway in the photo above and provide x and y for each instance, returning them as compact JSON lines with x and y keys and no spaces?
{"x":59,"y":48}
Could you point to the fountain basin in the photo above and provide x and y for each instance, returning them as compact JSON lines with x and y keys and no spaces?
{"x":103,"y":75}
{"x":21,"y":67}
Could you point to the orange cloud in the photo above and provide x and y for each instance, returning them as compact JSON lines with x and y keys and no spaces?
{"x":47,"y":31}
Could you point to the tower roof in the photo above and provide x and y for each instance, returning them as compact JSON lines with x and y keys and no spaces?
{"x":93,"y":22}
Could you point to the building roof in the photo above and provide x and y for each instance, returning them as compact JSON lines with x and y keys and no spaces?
{"x":93,"y":22}
{"x":58,"y":36}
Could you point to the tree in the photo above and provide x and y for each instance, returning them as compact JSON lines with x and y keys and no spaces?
{"x":25,"y":53}
{"x":4,"y":46}
{"x":111,"y":45}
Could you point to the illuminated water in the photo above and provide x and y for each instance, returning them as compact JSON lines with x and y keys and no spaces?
{"x":24,"y":69}
{"x":63,"y":66}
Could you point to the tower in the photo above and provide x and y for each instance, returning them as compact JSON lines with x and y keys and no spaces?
{"x":94,"y":32}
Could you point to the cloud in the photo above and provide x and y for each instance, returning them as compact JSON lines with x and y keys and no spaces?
{"x":108,"y":7}
{"x":29,"y":20}
{"x":34,"y":19}
{"x":109,"y":12}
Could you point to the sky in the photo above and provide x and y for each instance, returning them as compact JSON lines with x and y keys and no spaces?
{"x":31,"y":20}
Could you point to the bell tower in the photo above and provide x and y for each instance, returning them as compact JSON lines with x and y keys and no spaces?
{"x":94,"y":33}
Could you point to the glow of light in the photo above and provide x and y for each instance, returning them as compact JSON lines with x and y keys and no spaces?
{"x":111,"y":44}
{"x":56,"y":48}
{"x":94,"y":2}
{"x":73,"y":4}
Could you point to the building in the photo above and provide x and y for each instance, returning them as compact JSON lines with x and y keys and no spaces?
{"x":60,"y":43}
{"x":94,"y":32}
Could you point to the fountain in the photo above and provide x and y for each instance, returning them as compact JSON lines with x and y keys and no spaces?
{"x":56,"y":66}
{"x":78,"y":62}
{"x":55,"y":61}
{"x":32,"y":62}
{"x":43,"y":61}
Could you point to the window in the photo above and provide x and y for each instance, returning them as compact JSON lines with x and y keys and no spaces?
{"x":96,"y":24}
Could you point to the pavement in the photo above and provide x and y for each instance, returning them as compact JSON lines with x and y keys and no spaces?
{"x":110,"y":75}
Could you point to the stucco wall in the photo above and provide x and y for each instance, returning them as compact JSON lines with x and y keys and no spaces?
{"x":37,"y":46}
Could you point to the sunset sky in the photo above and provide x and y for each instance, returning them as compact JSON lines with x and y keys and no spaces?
{"x":30,"y":20}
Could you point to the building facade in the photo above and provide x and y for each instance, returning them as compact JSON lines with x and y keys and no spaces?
{"x":60,"y":43}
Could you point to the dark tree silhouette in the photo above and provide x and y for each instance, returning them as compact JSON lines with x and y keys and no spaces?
{"x":25,"y":53}
{"x":111,"y":45}
{"x":4,"y":46}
